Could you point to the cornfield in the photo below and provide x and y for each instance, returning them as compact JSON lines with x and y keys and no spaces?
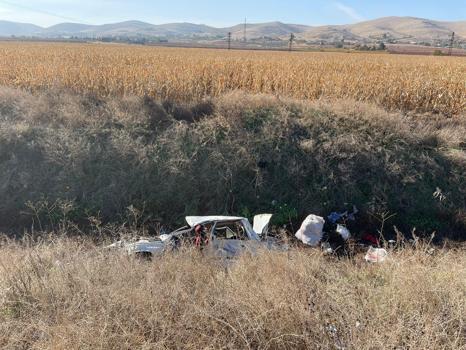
{"x":409,"y":83}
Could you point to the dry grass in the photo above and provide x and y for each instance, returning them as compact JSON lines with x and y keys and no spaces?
{"x":234,"y":153}
{"x":67,"y":294}
{"x":429,"y":84}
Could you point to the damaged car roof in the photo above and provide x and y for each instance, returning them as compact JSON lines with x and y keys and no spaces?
{"x":198,"y":220}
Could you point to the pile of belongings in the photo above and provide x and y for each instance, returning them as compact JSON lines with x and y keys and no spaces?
{"x":312,"y":234}
{"x":311,"y":231}
{"x":345,"y":216}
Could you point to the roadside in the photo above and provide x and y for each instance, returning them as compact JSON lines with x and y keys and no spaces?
{"x":66,"y":293}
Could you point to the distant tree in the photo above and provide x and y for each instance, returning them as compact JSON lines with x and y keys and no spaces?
{"x":381,"y":46}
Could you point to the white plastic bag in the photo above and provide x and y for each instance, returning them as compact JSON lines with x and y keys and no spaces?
{"x":343,"y":232}
{"x":376,"y":255}
{"x":311,"y":231}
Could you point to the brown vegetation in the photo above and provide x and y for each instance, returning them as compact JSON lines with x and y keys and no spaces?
{"x":428,"y":84}
{"x":77,"y":159}
{"x":70,"y":295}
{"x":236,"y":154}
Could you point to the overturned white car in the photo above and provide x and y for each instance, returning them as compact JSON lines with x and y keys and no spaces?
{"x":223,"y":236}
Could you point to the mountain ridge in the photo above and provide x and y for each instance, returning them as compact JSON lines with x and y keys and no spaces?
{"x":388,"y":28}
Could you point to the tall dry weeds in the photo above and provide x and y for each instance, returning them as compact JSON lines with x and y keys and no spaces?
{"x":70,"y":295}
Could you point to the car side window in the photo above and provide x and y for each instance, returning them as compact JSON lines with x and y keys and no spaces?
{"x":230,"y":230}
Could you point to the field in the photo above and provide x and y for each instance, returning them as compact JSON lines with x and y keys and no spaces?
{"x":105,"y":142}
{"x":176,"y":131}
{"x":424,"y":84}
{"x":408,"y":49}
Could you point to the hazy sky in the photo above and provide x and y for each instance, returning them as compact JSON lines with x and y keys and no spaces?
{"x":224,"y":13}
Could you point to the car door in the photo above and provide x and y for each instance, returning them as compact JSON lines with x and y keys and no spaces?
{"x":261,"y":224}
{"x":229,"y":239}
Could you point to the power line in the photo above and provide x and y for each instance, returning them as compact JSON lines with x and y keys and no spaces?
{"x":245,"y":29}
{"x":452,"y":42}
{"x":48,"y":13}
{"x":290,"y":46}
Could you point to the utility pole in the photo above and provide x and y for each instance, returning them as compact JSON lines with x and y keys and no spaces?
{"x":245,"y":29}
{"x":290,"y":46}
{"x":452,"y":42}
{"x":229,"y":40}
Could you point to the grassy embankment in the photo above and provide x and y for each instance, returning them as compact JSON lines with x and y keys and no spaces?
{"x":67,"y":156}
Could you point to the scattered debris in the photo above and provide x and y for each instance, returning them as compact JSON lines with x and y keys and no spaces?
{"x":333,"y":333}
{"x":438,"y":194}
{"x":229,"y":236}
{"x":336,"y":217}
{"x":343,"y":232}
{"x":376,"y":255}
{"x":311,"y":231}
{"x":332,"y":329}
{"x":143,"y":246}
{"x":370,"y":239}
{"x":326,"y":248}
{"x":391,"y":244}
{"x":430,"y":251}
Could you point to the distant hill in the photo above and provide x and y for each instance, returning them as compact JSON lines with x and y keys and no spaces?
{"x":401,"y":29}
{"x":130,"y":29}
{"x":19,"y":29}
{"x":329,"y":33}
{"x":271,"y":29}
{"x":397,"y":28}
{"x":406,"y":27}
{"x":66,"y":28}
{"x":187,"y":29}
{"x":458,"y":27}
